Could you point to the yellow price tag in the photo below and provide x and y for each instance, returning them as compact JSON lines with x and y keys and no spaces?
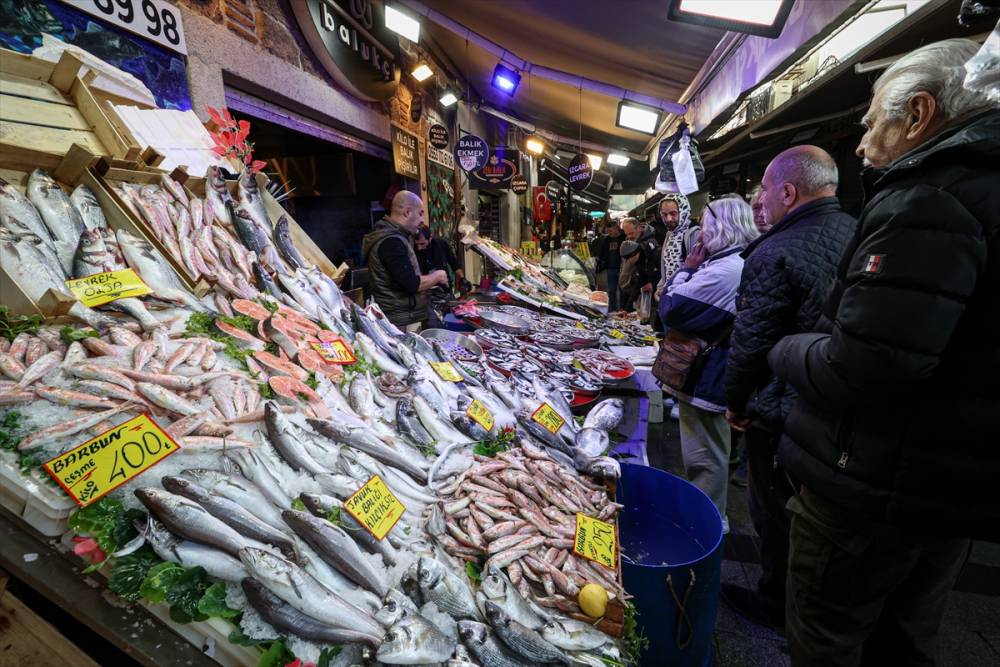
{"x":480,"y":414}
{"x":336,"y":352}
{"x":446,"y":371}
{"x":615,"y":333}
{"x":596,"y":541}
{"x":102,"y":288}
{"x":375,"y":507}
{"x":651,"y":339}
{"x":104,"y":463}
{"x":578,"y":364}
{"x":548,"y":417}
{"x":579,"y":325}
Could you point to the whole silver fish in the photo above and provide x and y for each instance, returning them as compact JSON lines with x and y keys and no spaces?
{"x":40,"y":368}
{"x":155,"y":271}
{"x":283,"y":617}
{"x":217,"y":196}
{"x":66,"y":429}
{"x":572,"y":635}
{"x":496,"y":587}
{"x":409,"y":426}
{"x":286,"y":438}
{"x":592,"y":441}
{"x":20,"y":217}
{"x":286,"y":247}
{"x":369,"y":443}
{"x":521,"y":639}
{"x":447,"y":590}
{"x":301,"y":590}
{"x":92,"y":256}
{"x":165,"y":398}
{"x":58,"y":214}
{"x":414,"y":640}
{"x":378,"y":355}
{"x":240,"y":490}
{"x":231,"y":513}
{"x":87,"y":205}
{"x":337,"y":548}
{"x":320,"y":505}
{"x":486,"y":648}
{"x":173,"y":549}
{"x":606,"y":415}
{"x":193,"y":522}
{"x":395,"y":605}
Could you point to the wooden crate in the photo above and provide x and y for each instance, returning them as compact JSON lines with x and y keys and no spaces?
{"x":46,"y":108}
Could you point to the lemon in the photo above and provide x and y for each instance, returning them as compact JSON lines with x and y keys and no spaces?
{"x":593,"y":600}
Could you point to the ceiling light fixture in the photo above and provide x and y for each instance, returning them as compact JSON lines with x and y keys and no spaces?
{"x":755,"y":17}
{"x":402,"y":24}
{"x":638,"y":117}
{"x":535,"y":146}
{"x":618,"y":159}
{"x":422,"y":73}
{"x":595,"y":161}
{"x":448,"y":99}
{"x":505,"y":79}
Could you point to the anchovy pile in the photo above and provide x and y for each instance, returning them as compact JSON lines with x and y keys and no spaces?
{"x":268,"y":423}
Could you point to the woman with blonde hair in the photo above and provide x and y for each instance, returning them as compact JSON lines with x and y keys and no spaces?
{"x":700,"y":300}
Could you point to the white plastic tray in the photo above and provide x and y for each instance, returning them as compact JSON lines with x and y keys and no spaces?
{"x":43,"y":507}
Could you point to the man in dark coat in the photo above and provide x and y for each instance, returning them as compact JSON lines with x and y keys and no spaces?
{"x":648,"y":266}
{"x":894,"y":435}
{"x":785,"y":280}
{"x":609,"y":259}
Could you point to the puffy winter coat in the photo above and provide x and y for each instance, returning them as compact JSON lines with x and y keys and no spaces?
{"x":787,"y":274}
{"x":899,"y":397}
{"x":703,"y":303}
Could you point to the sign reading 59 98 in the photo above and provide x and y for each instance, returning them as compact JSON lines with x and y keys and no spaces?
{"x":102,"y":464}
{"x":155,"y":20}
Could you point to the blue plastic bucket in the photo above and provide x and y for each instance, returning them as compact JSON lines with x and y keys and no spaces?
{"x":670,"y":534}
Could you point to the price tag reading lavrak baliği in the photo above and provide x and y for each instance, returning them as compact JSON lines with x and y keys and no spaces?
{"x":104,"y":463}
{"x":596,"y":541}
{"x":375,"y":507}
{"x":480,"y":414}
{"x":548,"y":417}
{"x":102,"y":288}
{"x":446,"y":371}
{"x":336,"y":352}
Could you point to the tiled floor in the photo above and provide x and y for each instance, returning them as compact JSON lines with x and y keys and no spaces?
{"x":970,"y":634}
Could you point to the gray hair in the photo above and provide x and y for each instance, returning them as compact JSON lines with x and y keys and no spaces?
{"x":809,"y":168}
{"x":937,"y":69}
{"x":727,"y":223}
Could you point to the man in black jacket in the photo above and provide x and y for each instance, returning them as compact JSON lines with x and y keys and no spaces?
{"x":648,"y":270}
{"x":894,"y":435}
{"x":786,"y":276}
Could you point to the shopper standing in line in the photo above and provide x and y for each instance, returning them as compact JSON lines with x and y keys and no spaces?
{"x":894,"y":434}
{"x":648,"y":264}
{"x":786,"y":276}
{"x":609,"y":259}
{"x":675,"y":212}
{"x":700,"y":300}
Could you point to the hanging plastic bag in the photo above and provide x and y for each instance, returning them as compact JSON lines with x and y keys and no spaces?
{"x":680,"y":142}
{"x":645,"y":307}
{"x":982,"y":72}
{"x":687,"y":181}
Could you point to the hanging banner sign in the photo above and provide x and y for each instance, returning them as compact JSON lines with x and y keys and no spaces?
{"x":102,"y":464}
{"x":404,"y":153}
{"x":471,"y":152}
{"x":156,"y":20}
{"x":437,"y":135}
{"x":375,"y":507}
{"x":498,"y":172}
{"x":441,"y":157}
{"x":101,"y":288}
{"x":580,"y":172}
{"x":519,"y":184}
{"x":595,"y":540}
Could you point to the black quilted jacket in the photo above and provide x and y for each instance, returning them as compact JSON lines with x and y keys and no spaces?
{"x":899,"y":397}
{"x":786,"y":277}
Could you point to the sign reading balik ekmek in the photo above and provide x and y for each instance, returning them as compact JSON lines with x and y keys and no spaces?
{"x":351,"y":41}
{"x":498,"y":172}
{"x":405,"y":158}
{"x":472,"y":152}
{"x":580,"y":172}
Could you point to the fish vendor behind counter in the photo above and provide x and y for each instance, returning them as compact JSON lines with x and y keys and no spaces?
{"x":394,"y":278}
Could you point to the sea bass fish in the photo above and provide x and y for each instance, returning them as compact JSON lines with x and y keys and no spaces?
{"x":58,"y":214}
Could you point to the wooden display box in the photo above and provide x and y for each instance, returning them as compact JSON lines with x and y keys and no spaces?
{"x":45,"y":108}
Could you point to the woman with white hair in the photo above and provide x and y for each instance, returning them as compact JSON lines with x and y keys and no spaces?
{"x":700,"y":300}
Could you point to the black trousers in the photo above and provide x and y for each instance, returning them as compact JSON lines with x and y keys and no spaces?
{"x":862,"y":592}
{"x":768,"y":491}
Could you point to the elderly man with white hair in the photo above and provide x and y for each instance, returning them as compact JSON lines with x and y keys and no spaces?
{"x":894,"y":434}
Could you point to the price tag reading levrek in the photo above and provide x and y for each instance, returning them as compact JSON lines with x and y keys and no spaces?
{"x":102,"y":288}
{"x":548,"y":417}
{"x":446,"y":371}
{"x":375,"y":508}
{"x":596,"y":541}
{"x":104,"y":463}
{"x":335,"y":352}
{"x":480,"y":414}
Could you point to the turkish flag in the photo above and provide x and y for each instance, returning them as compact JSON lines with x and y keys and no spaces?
{"x":541,"y":206}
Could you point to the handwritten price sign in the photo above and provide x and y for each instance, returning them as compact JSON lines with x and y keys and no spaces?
{"x":615,"y":333}
{"x":480,"y":414}
{"x":102,"y":288}
{"x":446,"y":371}
{"x":375,"y":507}
{"x":596,"y":541}
{"x":336,"y":352}
{"x":548,"y":417}
{"x":102,"y":464}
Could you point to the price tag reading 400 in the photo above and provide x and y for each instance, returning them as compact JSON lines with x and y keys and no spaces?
{"x":548,"y":417}
{"x":375,"y":508}
{"x":104,"y":463}
{"x":446,"y":371}
{"x":596,"y":541}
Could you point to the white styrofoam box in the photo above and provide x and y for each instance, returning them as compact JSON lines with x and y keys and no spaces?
{"x":43,"y":507}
